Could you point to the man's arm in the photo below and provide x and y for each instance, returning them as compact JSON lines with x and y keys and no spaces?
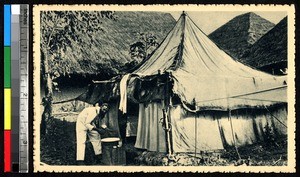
{"x":104,"y":130}
{"x":83,"y":117}
{"x":89,"y":126}
{"x":100,"y":130}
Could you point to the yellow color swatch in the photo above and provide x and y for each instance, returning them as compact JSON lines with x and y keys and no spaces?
{"x":7,"y":109}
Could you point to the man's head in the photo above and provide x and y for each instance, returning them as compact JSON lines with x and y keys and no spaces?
{"x":104,"y":108}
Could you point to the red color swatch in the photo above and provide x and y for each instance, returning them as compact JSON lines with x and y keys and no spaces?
{"x":7,"y":150}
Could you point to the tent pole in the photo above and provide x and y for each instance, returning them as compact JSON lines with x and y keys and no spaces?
{"x":233,"y":137}
{"x":167,"y":117}
{"x":167,"y":129}
{"x":169,"y":113}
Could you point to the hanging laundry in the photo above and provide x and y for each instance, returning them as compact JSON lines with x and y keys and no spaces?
{"x":123,"y":93}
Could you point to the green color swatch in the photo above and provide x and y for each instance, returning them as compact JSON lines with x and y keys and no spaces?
{"x":7,"y":67}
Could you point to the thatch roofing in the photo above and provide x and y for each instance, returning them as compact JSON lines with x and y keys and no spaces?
{"x":241,"y":32}
{"x":108,"y":49}
{"x":270,"y":49}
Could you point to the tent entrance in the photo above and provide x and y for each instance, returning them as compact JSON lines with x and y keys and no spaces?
{"x":150,"y":133}
{"x":132,"y":120}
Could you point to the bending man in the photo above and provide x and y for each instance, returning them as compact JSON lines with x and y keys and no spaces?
{"x":88,"y":124}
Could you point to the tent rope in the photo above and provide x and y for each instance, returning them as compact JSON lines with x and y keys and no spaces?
{"x":261,"y":100}
{"x":275,"y":117}
{"x":187,"y":108}
{"x":233,"y":138}
{"x":245,"y":94}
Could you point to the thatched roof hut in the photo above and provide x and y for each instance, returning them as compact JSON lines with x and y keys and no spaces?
{"x":241,"y":32}
{"x":105,"y":52}
{"x":271,"y":50}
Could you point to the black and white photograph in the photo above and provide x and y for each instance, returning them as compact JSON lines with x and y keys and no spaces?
{"x":190,"y":88}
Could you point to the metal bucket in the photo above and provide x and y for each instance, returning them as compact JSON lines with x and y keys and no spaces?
{"x":110,"y":150}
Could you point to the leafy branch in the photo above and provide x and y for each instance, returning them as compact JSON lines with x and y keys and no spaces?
{"x":62,"y":34}
{"x":141,"y":49}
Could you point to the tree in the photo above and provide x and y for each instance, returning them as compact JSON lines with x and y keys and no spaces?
{"x":146,"y":43}
{"x":62,"y":31}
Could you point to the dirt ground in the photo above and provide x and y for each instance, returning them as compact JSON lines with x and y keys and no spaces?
{"x":58,"y":147}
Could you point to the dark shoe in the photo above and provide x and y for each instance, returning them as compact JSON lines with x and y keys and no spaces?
{"x":80,"y":162}
{"x":99,"y":159}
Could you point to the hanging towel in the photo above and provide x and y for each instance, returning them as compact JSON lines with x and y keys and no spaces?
{"x":123,"y":93}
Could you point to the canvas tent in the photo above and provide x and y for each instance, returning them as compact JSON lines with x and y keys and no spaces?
{"x":211,"y":101}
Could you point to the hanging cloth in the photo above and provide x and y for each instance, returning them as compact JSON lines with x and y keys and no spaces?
{"x":123,"y":93}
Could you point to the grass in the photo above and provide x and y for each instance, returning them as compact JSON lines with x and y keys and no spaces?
{"x":58,"y":146}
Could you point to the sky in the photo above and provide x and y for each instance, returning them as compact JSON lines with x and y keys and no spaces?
{"x":210,"y":21}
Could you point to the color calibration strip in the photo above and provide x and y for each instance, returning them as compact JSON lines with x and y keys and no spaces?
{"x":7,"y":88}
{"x":16,"y":43}
{"x":15,"y":48}
{"x":23,"y":89}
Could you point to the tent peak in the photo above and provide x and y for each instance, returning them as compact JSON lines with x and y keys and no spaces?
{"x":184,"y":13}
